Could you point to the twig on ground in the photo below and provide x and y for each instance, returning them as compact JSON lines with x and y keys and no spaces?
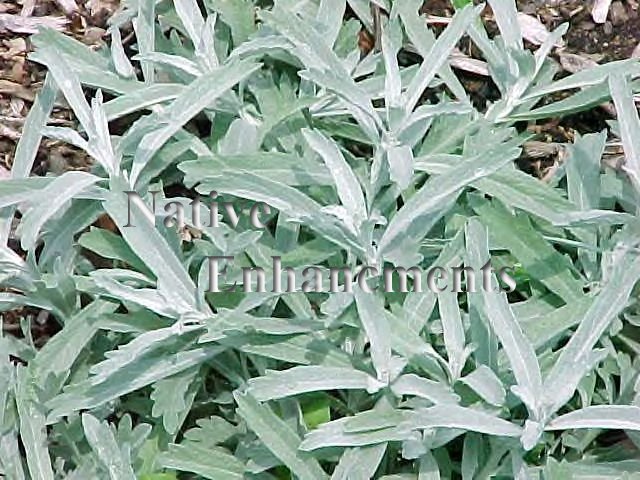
{"x":600,"y":10}
{"x":27,"y":8}
{"x":573,"y":63}
{"x":69,"y":7}
{"x":29,"y":25}
{"x":533,"y":30}
{"x":463,"y":62}
{"x":9,"y":133}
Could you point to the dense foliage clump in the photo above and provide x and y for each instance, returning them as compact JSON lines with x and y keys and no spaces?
{"x":375,"y":156}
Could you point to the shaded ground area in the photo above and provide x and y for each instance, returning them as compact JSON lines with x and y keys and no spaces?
{"x":616,"y":39}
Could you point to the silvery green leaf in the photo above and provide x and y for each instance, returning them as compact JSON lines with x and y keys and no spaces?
{"x":11,"y":462}
{"x":50,"y":201}
{"x":363,"y":11}
{"x":278,"y":437}
{"x":27,"y":148}
{"x":379,"y":417}
{"x":400,"y":159}
{"x":136,"y":375}
{"x":333,"y":434}
{"x":515,"y":188}
{"x":230,"y":321}
{"x":426,"y":112}
{"x":150,"y":298}
{"x":37,"y":118}
{"x":453,"y":332}
{"x":103,"y":443}
{"x":520,"y":468}
{"x":578,"y":357}
{"x":346,"y":182}
{"x":471,"y":456}
{"x":453,"y":416}
{"x":522,"y":356}
{"x":506,"y":17}
{"x":409,"y":222}
{"x":239,"y":16}
{"x":436,"y":392}
{"x":486,"y":384}
{"x":586,"y":78}
{"x":144,"y":26}
{"x":629,"y":125}
{"x":585,"y":99}
{"x":214,"y":463}
{"x":149,"y":245}
{"x":359,"y":463}
{"x":410,"y":345}
{"x":550,"y":41}
{"x":583,"y":186}
{"x":374,"y":322}
{"x":120,"y":60}
{"x":210,"y":431}
{"x":173,"y":62}
{"x":303,"y":379}
{"x":112,"y":246}
{"x":69,"y":84}
{"x":141,"y":98}
{"x":616,"y":417}
{"x":555,"y":324}
{"x":527,"y":246}
{"x":33,"y":431}
{"x":288,"y":169}
{"x":583,"y":170}
{"x":438,"y":56}
{"x":67,"y":135}
{"x":71,"y":49}
{"x":428,"y":468}
{"x":98,"y":145}
{"x":100,"y":140}
{"x":391,"y":44}
{"x":325,"y":68}
{"x":286,"y":199}
{"x":477,"y":256}
{"x":173,"y":398}
{"x":357,"y":101}
{"x":142,"y":345}
{"x":418,"y":306}
{"x":90,"y":67}
{"x":330,"y":15}
{"x":191,"y":18}
{"x":300,"y":349}
{"x":60,"y":353}
{"x":422,"y":39}
{"x":240,"y":139}
{"x":195,"y":98}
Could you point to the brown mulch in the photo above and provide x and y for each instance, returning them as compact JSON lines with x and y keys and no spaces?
{"x":616,"y":39}
{"x":21,"y":79}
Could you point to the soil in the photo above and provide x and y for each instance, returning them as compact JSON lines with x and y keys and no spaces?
{"x":616,"y":39}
